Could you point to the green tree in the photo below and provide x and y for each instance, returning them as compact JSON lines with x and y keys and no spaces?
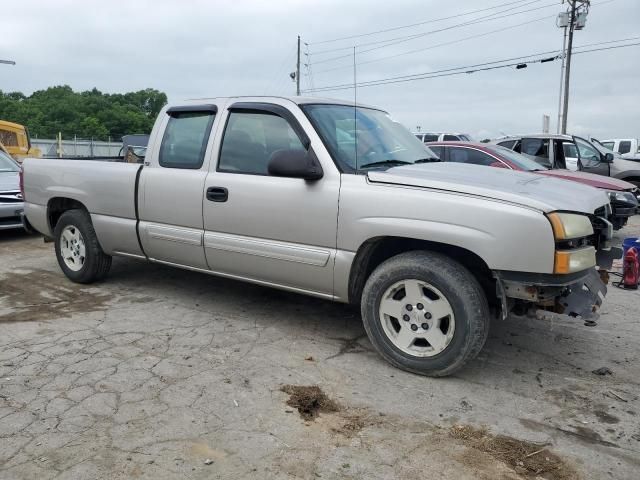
{"x":88,"y":114}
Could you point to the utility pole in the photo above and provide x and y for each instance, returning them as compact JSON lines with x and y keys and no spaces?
{"x":577,"y":16}
{"x":560,"y":95}
{"x":298,"y":70}
{"x":567,"y":71}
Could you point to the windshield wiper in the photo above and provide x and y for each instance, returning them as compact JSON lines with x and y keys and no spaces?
{"x":427,"y":160}
{"x":383,"y":163}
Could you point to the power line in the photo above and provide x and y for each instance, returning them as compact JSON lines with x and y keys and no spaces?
{"x":465,"y":70}
{"x":445,"y":70}
{"x":471,"y":12}
{"x":406,"y":38}
{"x":464,"y":39}
{"x":272,"y":84}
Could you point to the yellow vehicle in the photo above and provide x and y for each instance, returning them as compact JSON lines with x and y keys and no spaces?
{"x":16,"y":142}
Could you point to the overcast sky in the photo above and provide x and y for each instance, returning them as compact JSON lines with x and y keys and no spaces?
{"x":200,"y":48}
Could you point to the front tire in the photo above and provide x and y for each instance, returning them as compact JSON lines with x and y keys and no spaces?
{"x":79,"y":253}
{"x":425,"y":313}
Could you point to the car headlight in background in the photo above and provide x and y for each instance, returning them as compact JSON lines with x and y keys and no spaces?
{"x":567,"y":226}
{"x":626,"y":197}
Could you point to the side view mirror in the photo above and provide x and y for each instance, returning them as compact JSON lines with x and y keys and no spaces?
{"x":295,"y":164}
{"x":608,"y":158}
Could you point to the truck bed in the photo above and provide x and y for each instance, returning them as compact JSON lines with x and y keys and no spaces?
{"x":104,"y":187}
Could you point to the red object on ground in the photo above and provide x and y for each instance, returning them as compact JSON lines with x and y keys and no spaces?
{"x":631,"y":269}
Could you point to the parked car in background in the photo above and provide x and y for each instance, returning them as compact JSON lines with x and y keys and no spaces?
{"x":622,"y":195}
{"x":134,"y":148}
{"x":554,"y":151}
{"x":11,"y":202}
{"x":443,"y":137}
{"x":249,"y":187}
{"x":627,"y":147}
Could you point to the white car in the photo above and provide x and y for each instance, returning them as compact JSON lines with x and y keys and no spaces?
{"x":443,"y":137}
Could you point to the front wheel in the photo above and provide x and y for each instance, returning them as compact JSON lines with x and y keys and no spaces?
{"x":79,"y":253}
{"x":425,"y":313}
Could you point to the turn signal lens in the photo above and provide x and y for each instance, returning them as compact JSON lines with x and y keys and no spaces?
{"x":569,"y":261}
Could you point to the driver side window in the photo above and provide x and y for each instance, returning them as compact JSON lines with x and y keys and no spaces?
{"x":589,"y":156}
{"x":251,"y":138}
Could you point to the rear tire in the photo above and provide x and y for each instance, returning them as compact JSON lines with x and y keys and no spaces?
{"x":425,"y":313}
{"x":79,"y":253}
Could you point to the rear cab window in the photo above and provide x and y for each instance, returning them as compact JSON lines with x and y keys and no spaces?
{"x":508,"y":144}
{"x":536,"y":148}
{"x":186,"y":135}
{"x":438,"y":150}
{"x":624,"y":147}
{"x":470,"y":155}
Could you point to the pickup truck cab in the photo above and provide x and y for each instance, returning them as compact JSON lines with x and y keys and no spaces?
{"x":338,"y":201}
{"x":627,"y":147}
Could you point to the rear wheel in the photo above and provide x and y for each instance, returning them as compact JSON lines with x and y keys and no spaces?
{"x":425,"y":313}
{"x":79,"y":253}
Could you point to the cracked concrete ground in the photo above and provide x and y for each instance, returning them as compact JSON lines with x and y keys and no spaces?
{"x":157,"y":370}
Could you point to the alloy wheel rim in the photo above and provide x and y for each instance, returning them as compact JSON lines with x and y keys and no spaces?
{"x":72,"y":248}
{"x":417,"y":318}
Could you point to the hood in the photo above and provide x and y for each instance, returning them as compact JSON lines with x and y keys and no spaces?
{"x":9,"y":182}
{"x":591,"y":179}
{"x":523,"y":188}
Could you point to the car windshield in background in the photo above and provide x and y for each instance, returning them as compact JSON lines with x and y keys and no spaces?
{"x":601,"y":148}
{"x":7,"y":164}
{"x":521,"y":161}
{"x":363,"y":138}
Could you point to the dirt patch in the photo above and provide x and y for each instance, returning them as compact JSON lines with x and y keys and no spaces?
{"x":42,"y":295}
{"x":605,"y":417}
{"x":309,"y":400}
{"x":529,"y":460}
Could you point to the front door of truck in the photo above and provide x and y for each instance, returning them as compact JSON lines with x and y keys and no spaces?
{"x":171,"y":185}
{"x":274,"y":230}
{"x":590,"y":158}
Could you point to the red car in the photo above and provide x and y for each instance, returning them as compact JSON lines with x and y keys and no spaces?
{"x":622,"y":195}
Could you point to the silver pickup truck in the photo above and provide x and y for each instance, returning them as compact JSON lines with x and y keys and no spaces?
{"x":324,"y":198}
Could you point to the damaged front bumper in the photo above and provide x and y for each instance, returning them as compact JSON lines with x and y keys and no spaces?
{"x":578,"y":295}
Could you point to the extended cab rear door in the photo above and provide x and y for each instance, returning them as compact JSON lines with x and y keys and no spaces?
{"x":171,"y":186}
{"x":273,"y":230}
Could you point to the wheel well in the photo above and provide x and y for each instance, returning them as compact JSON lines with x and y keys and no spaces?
{"x":57,"y":206}
{"x":376,"y":250}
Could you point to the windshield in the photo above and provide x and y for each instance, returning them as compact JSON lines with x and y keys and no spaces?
{"x":7,"y":164}
{"x":601,"y":148}
{"x":364,"y":138}
{"x":521,"y":161}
